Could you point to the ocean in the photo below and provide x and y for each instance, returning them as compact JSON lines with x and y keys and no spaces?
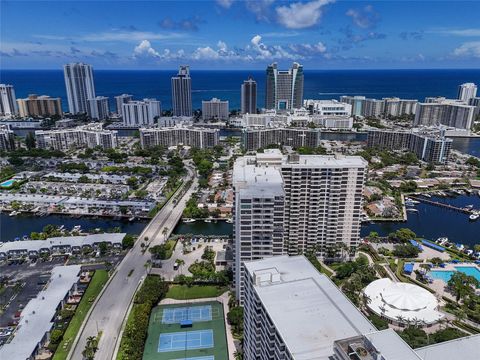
{"x":225,"y":84}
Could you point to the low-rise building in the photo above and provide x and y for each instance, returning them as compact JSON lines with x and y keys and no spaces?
{"x":89,"y":136}
{"x":171,"y":136}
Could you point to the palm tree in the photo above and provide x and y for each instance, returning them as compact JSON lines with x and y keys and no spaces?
{"x":91,"y":348}
{"x":180,"y":263}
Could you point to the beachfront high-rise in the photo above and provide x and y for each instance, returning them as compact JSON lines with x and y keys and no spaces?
{"x":467,"y":91}
{"x":215,"y":109}
{"x":284,"y":88}
{"x":120,"y":100}
{"x":249,"y":96}
{"x":8,"y":102}
{"x":98,"y":108}
{"x":141,"y":113}
{"x":79,"y":85}
{"x":35,"y":105}
{"x":295,"y":204}
{"x":182,"y":92}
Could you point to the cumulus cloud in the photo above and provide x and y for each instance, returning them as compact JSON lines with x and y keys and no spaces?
{"x":145,"y":49}
{"x":260,"y":47}
{"x":468,"y":49}
{"x":364,"y":18}
{"x":260,"y":8}
{"x":301,"y":15}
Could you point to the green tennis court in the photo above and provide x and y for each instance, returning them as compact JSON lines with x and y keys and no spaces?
{"x":204,"y":339}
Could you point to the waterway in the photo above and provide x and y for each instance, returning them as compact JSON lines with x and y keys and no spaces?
{"x":431,"y":222}
{"x":20,"y":225}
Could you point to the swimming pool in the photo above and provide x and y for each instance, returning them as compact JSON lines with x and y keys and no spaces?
{"x":7,"y":183}
{"x":445,"y":275}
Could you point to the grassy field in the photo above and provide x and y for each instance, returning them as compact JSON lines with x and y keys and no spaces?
{"x":156,"y":327}
{"x":184,"y":292}
{"x":96,"y":284}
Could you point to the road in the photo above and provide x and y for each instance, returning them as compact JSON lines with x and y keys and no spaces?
{"x":110,"y":309}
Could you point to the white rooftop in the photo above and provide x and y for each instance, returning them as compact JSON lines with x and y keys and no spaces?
{"x":402,"y":302}
{"x":308,"y":310}
{"x":37,"y":316}
{"x":391,"y":345}
{"x":466,"y":348}
{"x":36,"y":245}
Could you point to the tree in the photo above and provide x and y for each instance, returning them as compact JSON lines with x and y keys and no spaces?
{"x":103,"y":247}
{"x":462,"y":285}
{"x":30,"y":140}
{"x":128,"y":241}
{"x":235,"y":318}
{"x":91,"y":348}
{"x":165,"y":232}
{"x":159,"y":251}
{"x":406,"y":251}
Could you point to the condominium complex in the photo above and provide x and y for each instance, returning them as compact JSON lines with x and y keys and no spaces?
{"x":182,"y":92}
{"x":441,"y":111}
{"x":120,"y":100}
{"x":284,"y":88}
{"x":141,"y":113}
{"x":7,"y":138}
{"x":254,"y":139}
{"x":215,"y":109}
{"x":171,"y":136}
{"x":467,"y":91}
{"x":8,"y":101}
{"x":362,"y":106}
{"x":249,"y":96}
{"x":39,"y":106}
{"x":89,"y":136}
{"x":98,"y":108}
{"x":295,"y":204}
{"x":292,"y":312}
{"x":80,"y":86}
{"x":327,"y":107}
{"x":429,"y":145}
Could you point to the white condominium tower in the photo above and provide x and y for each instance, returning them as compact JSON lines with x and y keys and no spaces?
{"x":8,"y":102}
{"x":467,"y":91}
{"x":120,"y":100}
{"x":215,"y":109}
{"x":141,"y":113}
{"x":249,"y":96}
{"x":284,"y":88}
{"x":182,"y":92}
{"x":98,"y":108}
{"x":79,"y":85}
{"x":295,"y":204}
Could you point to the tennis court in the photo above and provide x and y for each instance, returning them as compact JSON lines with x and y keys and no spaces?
{"x":193,"y":313}
{"x":169,"y":339}
{"x":186,"y":340}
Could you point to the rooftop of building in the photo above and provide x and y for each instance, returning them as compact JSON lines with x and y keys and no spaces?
{"x":308,"y":310}
{"x":36,"y":245}
{"x":466,"y":348}
{"x":37,"y":316}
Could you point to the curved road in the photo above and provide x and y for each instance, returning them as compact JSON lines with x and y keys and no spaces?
{"x":109,"y":311}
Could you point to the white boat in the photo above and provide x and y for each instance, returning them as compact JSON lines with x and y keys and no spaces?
{"x":469,"y":207}
{"x":187,"y":221}
{"x":132,"y":218}
{"x":478,"y":193}
{"x":229,"y":221}
{"x":13,"y":213}
{"x":474,"y":217}
{"x":412,"y":210}
{"x":427,"y":195}
{"x":209,"y":220}
{"x":76,"y":228}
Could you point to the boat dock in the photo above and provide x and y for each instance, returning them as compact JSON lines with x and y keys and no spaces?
{"x":441,"y":204}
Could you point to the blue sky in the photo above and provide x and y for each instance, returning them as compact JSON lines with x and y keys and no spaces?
{"x":228,"y":34}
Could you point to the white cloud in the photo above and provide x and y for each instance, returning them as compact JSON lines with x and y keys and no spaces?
{"x":301,"y":15}
{"x":260,"y":47}
{"x":260,"y":8}
{"x":145,"y":49}
{"x":117,"y":35}
{"x":457,"y":32}
{"x":225,"y":3}
{"x":364,"y":18}
{"x":468,"y":49}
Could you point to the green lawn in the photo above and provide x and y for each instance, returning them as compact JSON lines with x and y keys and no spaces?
{"x":184,"y":292}
{"x":171,"y":243}
{"x":96,"y":284}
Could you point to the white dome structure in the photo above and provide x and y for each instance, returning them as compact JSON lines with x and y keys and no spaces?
{"x":402,"y":303}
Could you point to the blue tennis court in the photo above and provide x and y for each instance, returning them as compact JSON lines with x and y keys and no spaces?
{"x":189,"y":340}
{"x":193,"y":313}
{"x":199,"y":358}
